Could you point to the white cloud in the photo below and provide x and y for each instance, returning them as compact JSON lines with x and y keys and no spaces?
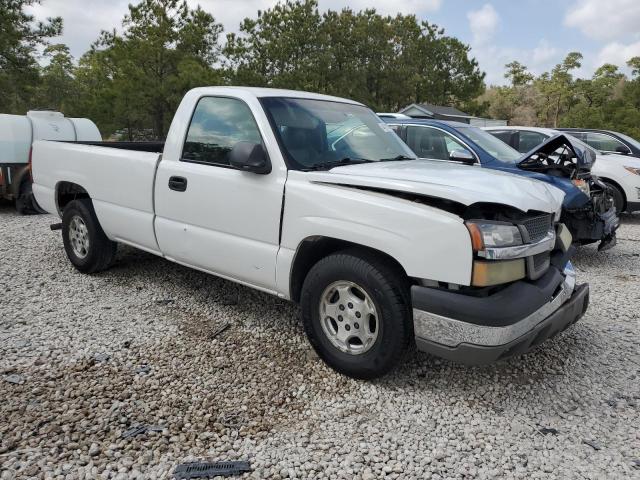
{"x":543,"y":53}
{"x":483,"y":23}
{"x":493,"y":58}
{"x":604,"y":19}
{"x":617,"y":54}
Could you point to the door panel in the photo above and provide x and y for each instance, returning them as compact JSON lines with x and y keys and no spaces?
{"x":212,"y":216}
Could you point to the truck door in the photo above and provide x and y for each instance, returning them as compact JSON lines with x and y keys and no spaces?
{"x":210,"y":215}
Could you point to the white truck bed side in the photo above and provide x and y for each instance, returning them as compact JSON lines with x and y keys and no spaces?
{"x":119,"y":182}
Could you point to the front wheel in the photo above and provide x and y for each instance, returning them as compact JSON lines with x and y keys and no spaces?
{"x":618,"y":197}
{"x":86,"y":244}
{"x":356,"y":313}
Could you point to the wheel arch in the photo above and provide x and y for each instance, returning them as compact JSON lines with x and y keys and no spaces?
{"x":619,"y":187}
{"x":66,"y":192}
{"x":313,"y":249}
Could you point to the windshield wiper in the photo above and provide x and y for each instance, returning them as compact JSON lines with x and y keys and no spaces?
{"x":397,"y":158}
{"x":337,"y":163}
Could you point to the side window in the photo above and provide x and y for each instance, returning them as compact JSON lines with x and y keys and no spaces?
{"x":606,"y":143}
{"x":427,"y":142}
{"x":579,"y":135}
{"x":507,"y":136}
{"x":529,"y":140}
{"x":216,"y":126}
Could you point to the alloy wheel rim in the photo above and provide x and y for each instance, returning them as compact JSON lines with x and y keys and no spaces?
{"x":79,"y":236}
{"x":348,"y":317}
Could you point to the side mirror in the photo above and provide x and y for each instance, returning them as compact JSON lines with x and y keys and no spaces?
{"x":623,"y":150}
{"x":462,"y":156}
{"x":250,"y":157}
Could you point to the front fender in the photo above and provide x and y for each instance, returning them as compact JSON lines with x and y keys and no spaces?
{"x":427,"y":242}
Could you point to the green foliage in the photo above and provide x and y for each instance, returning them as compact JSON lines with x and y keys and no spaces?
{"x":19,"y":39}
{"x":165,"y":49}
{"x":385,"y":62}
{"x":131,"y":82}
{"x":607,"y":100}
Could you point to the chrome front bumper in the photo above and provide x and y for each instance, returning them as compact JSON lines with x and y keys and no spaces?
{"x":472,"y":343}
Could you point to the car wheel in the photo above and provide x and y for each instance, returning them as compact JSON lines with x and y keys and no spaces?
{"x":86,"y":244}
{"x":356,"y":313}
{"x":618,"y":197}
{"x":25,"y":202}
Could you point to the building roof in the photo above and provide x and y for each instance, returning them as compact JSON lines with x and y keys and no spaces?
{"x":431,"y":110}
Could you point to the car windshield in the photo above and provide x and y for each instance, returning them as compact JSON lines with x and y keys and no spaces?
{"x":629,"y":139}
{"x":495,"y":147}
{"x":320,"y":134}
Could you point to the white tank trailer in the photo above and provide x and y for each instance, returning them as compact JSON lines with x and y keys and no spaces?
{"x":17,"y":134}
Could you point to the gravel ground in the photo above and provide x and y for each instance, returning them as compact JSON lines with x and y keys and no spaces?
{"x":83,"y":359}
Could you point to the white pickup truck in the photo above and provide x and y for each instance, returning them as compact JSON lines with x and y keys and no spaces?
{"x":313,"y":199}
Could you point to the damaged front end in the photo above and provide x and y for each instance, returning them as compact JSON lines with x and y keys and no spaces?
{"x":589,"y":209}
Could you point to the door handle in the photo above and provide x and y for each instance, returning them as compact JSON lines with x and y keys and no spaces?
{"x":179,"y":184}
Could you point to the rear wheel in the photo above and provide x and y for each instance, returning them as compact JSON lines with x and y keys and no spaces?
{"x":356,"y":313}
{"x":618,"y":197}
{"x":86,"y":244}
{"x":25,"y":201}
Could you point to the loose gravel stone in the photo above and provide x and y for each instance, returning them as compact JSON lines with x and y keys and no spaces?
{"x":132,"y":346}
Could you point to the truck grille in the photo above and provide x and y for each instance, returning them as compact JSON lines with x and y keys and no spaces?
{"x":538,"y":227}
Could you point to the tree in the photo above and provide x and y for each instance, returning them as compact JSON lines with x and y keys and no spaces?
{"x":56,"y":90}
{"x":166,"y":48}
{"x":517,"y":74}
{"x":386,"y":62}
{"x":634,"y":64}
{"x":19,"y":39}
{"x":558,"y":87}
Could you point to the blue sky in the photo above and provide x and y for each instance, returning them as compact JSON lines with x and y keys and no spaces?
{"x":537,"y":33}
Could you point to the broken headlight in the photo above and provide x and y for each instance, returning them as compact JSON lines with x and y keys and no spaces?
{"x":582,"y":185}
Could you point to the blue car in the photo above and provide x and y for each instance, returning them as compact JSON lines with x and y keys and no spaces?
{"x":564,"y":162}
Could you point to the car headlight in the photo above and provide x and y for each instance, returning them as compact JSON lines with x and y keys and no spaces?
{"x":485,"y":234}
{"x":633,"y":170}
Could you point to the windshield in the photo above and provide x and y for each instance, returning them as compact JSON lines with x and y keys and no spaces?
{"x":492,"y":145}
{"x":318,"y":134}
{"x":629,"y":139}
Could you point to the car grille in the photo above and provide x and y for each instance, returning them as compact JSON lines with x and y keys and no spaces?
{"x":538,"y":227}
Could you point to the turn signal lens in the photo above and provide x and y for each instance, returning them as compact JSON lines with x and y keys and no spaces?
{"x":476,"y":237}
{"x":582,"y":185}
{"x":635,"y":171}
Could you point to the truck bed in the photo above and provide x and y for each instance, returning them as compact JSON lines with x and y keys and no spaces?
{"x":119,"y":180}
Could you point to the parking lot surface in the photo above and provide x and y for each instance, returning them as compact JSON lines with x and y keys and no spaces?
{"x":212,"y":370}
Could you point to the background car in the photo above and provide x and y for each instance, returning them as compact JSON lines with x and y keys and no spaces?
{"x":588,"y":209}
{"x":606,"y":140}
{"x":620,"y":172}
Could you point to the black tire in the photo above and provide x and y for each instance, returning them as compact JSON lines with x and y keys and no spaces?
{"x":387,"y":287}
{"x":25,"y":202}
{"x":100,"y":251}
{"x":618,"y":197}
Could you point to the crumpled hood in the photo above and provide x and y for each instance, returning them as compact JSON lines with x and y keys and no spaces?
{"x":460,"y":183}
{"x":585,"y":155}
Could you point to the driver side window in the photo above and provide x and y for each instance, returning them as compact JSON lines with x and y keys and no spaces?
{"x":431,"y":143}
